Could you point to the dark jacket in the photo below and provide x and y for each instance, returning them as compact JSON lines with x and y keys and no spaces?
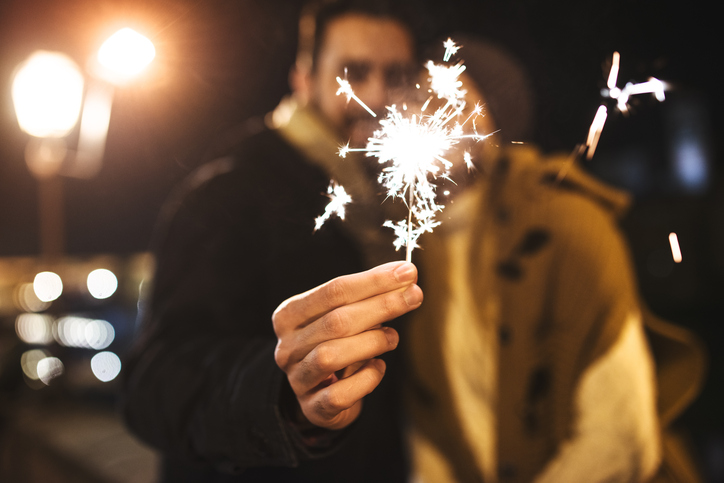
{"x":202,"y":384}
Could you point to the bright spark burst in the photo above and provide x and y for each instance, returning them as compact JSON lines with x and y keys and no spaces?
{"x":444,"y":80}
{"x":338,"y":197}
{"x":652,"y":86}
{"x":414,"y":147}
{"x":450,"y":49}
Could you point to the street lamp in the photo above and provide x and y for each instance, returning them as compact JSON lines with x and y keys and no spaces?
{"x":124,"y":55}
{"x":47,"y":94}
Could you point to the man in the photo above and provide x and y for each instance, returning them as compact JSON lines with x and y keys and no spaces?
{"x":203,"y":384}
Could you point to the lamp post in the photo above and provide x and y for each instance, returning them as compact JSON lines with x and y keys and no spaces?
{"x":48,"y":94}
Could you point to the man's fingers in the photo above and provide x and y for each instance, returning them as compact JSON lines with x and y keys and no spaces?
{"x":354,"y":319}
{"x":334,"y":355}
{"x":309,"y":306}
{"x":337,"y":405}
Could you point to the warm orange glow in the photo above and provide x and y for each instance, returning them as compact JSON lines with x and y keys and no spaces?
{"x":45,"y":156}
{"x":47,"y":93}
{"x":93,"y":130}
{"x":125,"y":54}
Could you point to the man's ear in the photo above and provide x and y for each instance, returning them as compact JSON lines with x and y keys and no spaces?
{"x":300,"y":81}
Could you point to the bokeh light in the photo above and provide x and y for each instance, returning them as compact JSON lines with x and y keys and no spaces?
{"x":47,"y":286}
{"x":125,"y":54}
{"x":47,"y":93}
{"x":48,"y":369}
{"x":29,"y":362}
{"x":27,"y":301}
{"x":102,"y":283}
{"x":83,"y":333}
{"x":34,"y":328}
{"x":106,"y":366}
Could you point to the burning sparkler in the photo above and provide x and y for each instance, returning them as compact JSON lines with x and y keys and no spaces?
{"x":338,"y":198}
{"x":414,"y":148}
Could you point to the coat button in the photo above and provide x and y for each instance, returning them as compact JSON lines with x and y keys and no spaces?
{"x":505,"y":334}
{"x":506,"y":471}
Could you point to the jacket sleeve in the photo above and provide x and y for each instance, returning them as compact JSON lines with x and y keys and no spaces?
{"x":201,"y":382}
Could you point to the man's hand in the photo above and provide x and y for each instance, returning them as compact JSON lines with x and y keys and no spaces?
{"x":329,"y":338}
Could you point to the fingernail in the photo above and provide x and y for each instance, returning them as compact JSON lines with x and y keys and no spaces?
{"x":413,"y":295}
{"x":405,"y":272}
{"x":392,"y":336}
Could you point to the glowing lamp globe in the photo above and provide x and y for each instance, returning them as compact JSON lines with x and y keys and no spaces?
{"x":125,"y":54}
{"x":47,"y":94}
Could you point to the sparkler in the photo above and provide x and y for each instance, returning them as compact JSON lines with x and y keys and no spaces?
{"x":414,"y":148}
{"x":338,"y":198}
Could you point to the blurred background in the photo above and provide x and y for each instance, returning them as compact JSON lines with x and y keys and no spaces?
{"x":88,"y":216}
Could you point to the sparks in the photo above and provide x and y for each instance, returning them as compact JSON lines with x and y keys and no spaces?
{"x":338,"y":197}
{"x":450,"y":49}
{"x":468,"y":158}
{"x":444,"y":80}
{"x":343,"y":150}
{"x":346,"y":89}
{"x":675,"y":249}
{"x":594,"y":133}
{"x":414,"y":150}
{"x":652,"y":86}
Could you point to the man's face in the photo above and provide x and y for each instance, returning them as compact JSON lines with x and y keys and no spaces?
{"x":376,"y":56}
